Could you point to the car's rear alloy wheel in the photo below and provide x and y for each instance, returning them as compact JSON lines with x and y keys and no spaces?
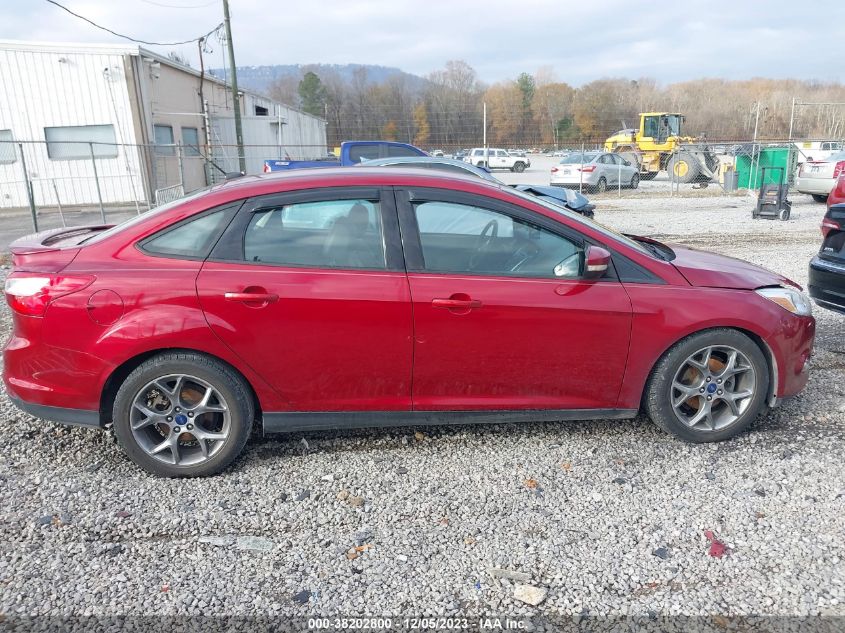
{"x":601,"y":187}
{"x":182,"y":415}
{"x":708,"y":387}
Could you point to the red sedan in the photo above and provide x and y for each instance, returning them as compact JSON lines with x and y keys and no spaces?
{"x":336,"y":297}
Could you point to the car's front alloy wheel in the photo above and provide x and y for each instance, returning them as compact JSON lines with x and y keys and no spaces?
{"x":709,"y":386}
{"x":182,"y":415}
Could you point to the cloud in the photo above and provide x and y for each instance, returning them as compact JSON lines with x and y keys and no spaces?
{"x":582,"y":41}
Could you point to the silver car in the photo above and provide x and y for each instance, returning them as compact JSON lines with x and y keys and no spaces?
{"x":817,"y":177}
{"x":595,"y":171}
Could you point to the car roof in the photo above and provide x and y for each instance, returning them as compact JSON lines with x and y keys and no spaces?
{"x":340,"y":176}
{"x":390,"y":160}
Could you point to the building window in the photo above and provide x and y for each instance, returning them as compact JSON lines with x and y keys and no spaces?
{"x":165,"y":145}
{"x":7,"y":148}
{"x":75,"y":142}
{"x":261,"y":111}
{"x":191,"y":141}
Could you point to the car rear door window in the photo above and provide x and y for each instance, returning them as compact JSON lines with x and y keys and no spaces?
{"x":325,"y":234}
{"x":460,"y":238}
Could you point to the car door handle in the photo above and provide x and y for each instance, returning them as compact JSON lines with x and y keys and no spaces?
{"x":251,"y":297}
{"x":456,"y":304}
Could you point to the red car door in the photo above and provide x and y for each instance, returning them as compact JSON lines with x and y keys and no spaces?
{"x":309,"y":289}
{"x":502,"y":319}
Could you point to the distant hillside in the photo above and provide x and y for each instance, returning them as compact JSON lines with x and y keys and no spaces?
{"x":260,"y":78}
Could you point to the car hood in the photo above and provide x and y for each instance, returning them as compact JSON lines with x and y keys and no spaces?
{"x":710,"y":270}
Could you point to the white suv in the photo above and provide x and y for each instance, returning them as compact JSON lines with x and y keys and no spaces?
{"x":496,"y":159}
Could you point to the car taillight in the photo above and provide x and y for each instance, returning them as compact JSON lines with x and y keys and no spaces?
{"x":554,"y":170}
{"x":588,"y":168}
{"x":829,"y":225}
{"x":839,"y":168}
{"x":30,"y":293}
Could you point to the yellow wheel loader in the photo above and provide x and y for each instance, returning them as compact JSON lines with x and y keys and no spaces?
{"x":658,"y":144}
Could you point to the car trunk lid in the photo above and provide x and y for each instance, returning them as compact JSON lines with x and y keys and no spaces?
{"x":50,"y":251}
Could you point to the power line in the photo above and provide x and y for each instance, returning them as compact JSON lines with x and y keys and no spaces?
{"x":132,"y":39}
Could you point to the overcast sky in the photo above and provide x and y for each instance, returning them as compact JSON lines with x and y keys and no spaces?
{"x":581,"y":39}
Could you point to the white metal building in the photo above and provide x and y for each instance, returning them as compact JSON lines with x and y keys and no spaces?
{"x":120,"y":123}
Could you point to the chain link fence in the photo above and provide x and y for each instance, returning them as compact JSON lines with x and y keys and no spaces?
{"x":44,"y":182}
{"x":110,"y":181}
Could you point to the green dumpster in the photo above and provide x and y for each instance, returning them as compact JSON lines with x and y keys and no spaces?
{"x":749,"y":172}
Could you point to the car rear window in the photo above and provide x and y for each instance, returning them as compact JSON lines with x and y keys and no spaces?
{"x":577,"y":159}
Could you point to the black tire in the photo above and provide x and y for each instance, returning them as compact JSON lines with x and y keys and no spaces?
{"x":519,"y":167}
{"x":601,"y":186}
{"x":785,"y":213}
{"x":649,"y":175}
{"x":635,"y":181}
{"x":658,"y":392}
{"x":688,"y":166}
{"x":230,"y":385}
{"x":819,"y":198}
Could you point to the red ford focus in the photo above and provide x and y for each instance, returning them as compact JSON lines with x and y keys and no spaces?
{"x":334,"y":297}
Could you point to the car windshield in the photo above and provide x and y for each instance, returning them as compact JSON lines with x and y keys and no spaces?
{"x":577,"y":217}
{"x":578,"y":158}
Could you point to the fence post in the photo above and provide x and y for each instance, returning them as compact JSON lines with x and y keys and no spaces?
{"x":97,"y":182}
{"x":59,"y":204}
{"x":29,"y":193}
{"x":581,"y":171}
{"x":619,"y":177}
{"x":181,"y":165}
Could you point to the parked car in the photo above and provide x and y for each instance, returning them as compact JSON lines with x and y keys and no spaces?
{"x":827,"y":269}
{"x":594,"y":171}
{"x":837,"y":194}
{"x":436,"y":152}
{"x":496,"y":158}
{"x":351,"y":153}
{"x":817,"y":177}
{"x":518,"y":153}
{"x":329,"y":298}
{"x":570,"y":199}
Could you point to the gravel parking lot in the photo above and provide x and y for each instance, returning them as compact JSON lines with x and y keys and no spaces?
{"x":605,"y":518}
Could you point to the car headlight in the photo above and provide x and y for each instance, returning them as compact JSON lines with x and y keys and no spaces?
{"x":789,"y":299}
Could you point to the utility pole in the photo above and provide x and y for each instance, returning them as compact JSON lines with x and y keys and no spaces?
{"x":236,"y":100}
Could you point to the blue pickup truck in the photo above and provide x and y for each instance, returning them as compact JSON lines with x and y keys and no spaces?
{"x":351,"y":153}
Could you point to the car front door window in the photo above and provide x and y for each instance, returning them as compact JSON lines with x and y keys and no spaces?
{"x":461,"y":238}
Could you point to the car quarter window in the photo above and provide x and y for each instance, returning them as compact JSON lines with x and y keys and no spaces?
{"x":325,"y":234}
{"x":461,"y":238}
{"x":191,"y":239}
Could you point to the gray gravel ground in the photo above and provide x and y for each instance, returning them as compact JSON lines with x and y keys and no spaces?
{"x":608,"y":517}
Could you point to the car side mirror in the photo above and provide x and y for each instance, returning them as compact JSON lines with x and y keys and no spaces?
{"x":627,"y":163}
{"x":596,"y":262}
